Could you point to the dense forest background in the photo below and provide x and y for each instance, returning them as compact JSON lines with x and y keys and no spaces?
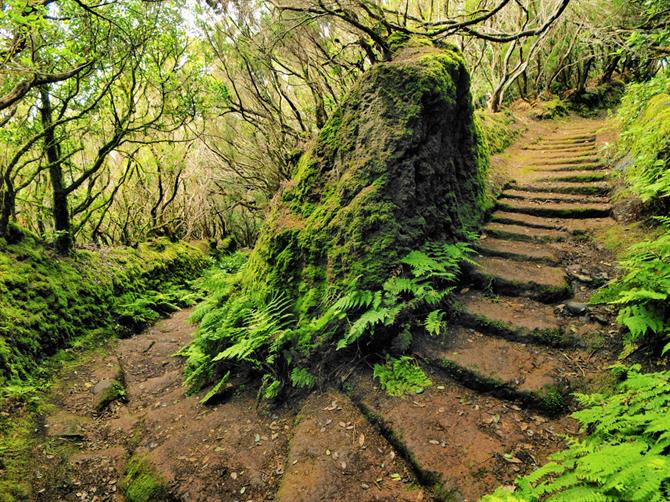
{"x":121,"y":121}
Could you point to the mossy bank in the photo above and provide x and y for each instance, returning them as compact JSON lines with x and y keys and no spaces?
{"x":47,"y":301}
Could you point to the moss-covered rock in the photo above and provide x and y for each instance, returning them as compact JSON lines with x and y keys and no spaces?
{"x":142,"y":483}
{"x":400,"y":163}
{"x":47,"y":301}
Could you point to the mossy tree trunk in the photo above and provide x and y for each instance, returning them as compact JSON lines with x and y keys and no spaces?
{"x":61,"y":212}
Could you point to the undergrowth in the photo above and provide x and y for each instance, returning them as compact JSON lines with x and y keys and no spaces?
{"x":241,"y":330}
{"x":54,"y":311}
{"x":644,"y":119}
{"x":642,"y":292}
{"x":623,"y":457}
{"x":401,"y":375}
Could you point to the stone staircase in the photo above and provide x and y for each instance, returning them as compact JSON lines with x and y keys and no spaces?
{"x":505,"y":373}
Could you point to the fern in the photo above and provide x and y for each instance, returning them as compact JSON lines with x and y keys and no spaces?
{"x":399,"y":376}
{"x":435,"y":323}
{"x":428,"y":281}
{"x":643,"y":290}
{"x":255,"y":327}
{"x":625,"y":455}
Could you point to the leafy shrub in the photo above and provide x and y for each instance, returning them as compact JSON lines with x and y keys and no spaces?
{"x":624,"y":457}
{"x":400,"y":376}
{"x":642,"y":292}
{"x":644,"y":118}
{"x":262,"y":331}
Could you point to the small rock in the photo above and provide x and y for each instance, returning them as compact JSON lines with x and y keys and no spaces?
{"x":576,"y":308}
{"x":583,"y":278}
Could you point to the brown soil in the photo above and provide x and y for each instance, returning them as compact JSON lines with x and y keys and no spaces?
{"x":489,"y":415}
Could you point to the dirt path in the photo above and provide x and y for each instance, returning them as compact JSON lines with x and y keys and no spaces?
{"x":497,"y":408}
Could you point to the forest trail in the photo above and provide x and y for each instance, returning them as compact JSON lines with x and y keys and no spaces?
{"x":497,"y":407}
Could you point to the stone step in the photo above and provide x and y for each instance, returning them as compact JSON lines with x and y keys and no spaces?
{"x":517,"y":250}
{"x":538,"y":376}
{"x":509,"y":277}
{"x":555,"y":209}
{"x":568,"y":167}
{"x":587,"y":188}
{"x":570,"y":225}
{"x":571,"y":177}
{"x":566,"y":160}
{"x":513,"y":318}
{"x":586,"y":147}
{"x":335,"y":453}
{"x":459,"y":440}
{"x":553,"y":197}
{"x":571,"y":154}
{"x":527,"y":220}
{"x":568,"y":140}
{"x":523,"y":233}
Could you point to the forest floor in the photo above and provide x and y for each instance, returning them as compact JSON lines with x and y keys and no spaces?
{"x":497,"y":408}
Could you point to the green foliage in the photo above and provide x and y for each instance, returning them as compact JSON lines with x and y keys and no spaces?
{"x":400,"y":376}
{"x":142,"y":483}
{"x":245,"y":330}
{"x":644,"y":118}
{"x":623,"y":458}
{"x":642,"y":292}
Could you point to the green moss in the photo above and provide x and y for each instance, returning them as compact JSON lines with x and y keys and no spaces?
{"x":499,"y":129}
{"x":552,"y":109}
{"x":115,"y":392}
{"x":142,"y":483}
{"x":398,"y":40}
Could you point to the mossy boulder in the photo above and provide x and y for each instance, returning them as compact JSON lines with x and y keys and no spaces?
{"x":401,"y":162}
{"x":400,"y":165}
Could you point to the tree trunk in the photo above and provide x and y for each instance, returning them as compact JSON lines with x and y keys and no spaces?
{"x":7,"y":207}
{"x":61,"y":212}
{"x":610,"y":69}
{"x":584,"y":76}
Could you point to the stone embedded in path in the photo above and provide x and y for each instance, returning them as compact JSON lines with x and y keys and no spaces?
{"x":541,"y":282}
{"x":555,"y":209}
{"x":66,"y":425}
{"x":523,"y":233}
{"x":514,"y":318}
{"x":517,"y":250}
{"x":536,"y":375}
{"x":336,"y":454}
